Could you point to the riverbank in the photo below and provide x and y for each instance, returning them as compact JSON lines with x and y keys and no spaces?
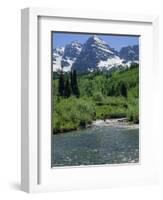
{"x":118,"y":122}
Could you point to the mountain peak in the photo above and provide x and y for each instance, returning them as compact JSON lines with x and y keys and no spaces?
{"x":74,"y":42}
{"x":72,"y":50}
{"x":94,"y":50}
{"x":59,"y":50}
{"x":129,"y":53}
{"x":96,"y":39}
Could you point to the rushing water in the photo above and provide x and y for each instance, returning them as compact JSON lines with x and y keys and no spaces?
{"x":96,"y":145}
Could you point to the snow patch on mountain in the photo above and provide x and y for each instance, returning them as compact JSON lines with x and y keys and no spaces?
{"x":128,"y":64}
{"x":57,"y":58}
{"x":69,"y":62}
{"x":63,"y":58}
{"x":104,"y":49}
{"x":110,"y":62}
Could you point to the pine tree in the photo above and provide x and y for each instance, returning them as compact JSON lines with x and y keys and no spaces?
{"x":61,"y":85}
{"x":74,"y":84}
{"x":67,"y":89}
{"x":71,"y":81}
{"x":123,"y":89}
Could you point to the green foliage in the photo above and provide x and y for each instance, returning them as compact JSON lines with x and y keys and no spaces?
{"x":116,"y":101}
{"x":133,"y":110}
{"x":133,"y":114}
{"x":109,"y":84}
{"x":101,"y":96}
{"x":106,"y":112}
{"x":98,"y":98}
{"x":113,"y":107}
{"x":72,"y":113}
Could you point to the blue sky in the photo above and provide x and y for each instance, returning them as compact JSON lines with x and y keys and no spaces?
{"x":60,"y":39}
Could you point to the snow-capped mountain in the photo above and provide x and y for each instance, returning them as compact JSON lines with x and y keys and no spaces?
{"x":57,"y":58}
{"x":63,"y":58}
{"x":94,"y":54}
{"x":129,"y":53}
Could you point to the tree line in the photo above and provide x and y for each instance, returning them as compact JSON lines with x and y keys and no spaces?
{"x":68,"y":85}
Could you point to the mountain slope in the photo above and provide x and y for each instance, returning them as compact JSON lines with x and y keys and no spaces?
{"x":57,"y":58}
{"x":63,"y":58}
{"x":129,"y":53}
{"x":95,"y":51}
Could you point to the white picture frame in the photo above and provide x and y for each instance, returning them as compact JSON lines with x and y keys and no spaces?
{"x":36,"y":173}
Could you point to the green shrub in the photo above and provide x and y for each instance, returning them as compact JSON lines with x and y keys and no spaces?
{"x":106,"y":112}
{"x":116,"y":101}
{"x":98,"y":98}
{"x":72,"y":113}
{"x":133,"y":113}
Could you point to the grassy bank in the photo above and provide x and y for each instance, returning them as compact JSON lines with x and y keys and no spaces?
{"x":102,"y":96}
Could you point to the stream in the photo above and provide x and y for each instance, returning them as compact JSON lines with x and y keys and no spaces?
{"x":102,"y":143}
